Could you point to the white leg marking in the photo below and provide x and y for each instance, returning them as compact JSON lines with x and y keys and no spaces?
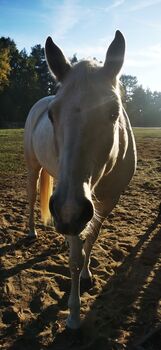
{"x":76,"y":259}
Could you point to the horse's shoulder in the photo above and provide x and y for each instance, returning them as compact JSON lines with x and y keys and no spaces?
{"x":36,"y":112}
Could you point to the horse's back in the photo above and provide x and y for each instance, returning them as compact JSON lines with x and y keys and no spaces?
{"x":38,"y":137}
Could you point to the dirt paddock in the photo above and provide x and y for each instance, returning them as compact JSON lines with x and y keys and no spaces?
{"x":123,"y":308}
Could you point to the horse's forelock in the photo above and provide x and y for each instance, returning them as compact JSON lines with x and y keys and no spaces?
{"x":82,"y":73}
{"x":86,"y":75}
{"x":86,"y":72}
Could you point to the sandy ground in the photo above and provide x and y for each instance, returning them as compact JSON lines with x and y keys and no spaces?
{"x":123,"y":308}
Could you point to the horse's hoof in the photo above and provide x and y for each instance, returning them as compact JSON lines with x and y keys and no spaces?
{"x":32,"y":234}
{"x":72,"y":324}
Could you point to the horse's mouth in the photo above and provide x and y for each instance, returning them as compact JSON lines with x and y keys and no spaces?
{"x":72,"y":229}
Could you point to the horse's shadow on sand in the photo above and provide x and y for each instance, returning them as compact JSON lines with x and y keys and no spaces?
{"x":110,"y":312}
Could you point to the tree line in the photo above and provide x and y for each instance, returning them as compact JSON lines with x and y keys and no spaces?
{"x":25,"y":78}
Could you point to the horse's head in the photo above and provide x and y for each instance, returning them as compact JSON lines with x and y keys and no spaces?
{"x":84,"y":115}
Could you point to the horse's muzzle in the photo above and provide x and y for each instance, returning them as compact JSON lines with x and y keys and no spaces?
{"x":76,"y":221}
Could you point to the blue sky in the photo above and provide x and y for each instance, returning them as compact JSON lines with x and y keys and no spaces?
{"x":87,"y":27}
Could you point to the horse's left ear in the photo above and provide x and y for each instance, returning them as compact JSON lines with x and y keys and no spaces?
{"x":57,"y":62}
{"x":115,"y":55}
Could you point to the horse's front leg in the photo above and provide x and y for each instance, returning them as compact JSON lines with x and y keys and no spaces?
{"x":92,"y":234}
{"x":76,"y":260}
{"x":102,"y":210}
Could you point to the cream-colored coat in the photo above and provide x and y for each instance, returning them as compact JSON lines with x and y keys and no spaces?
{"x":87,"y":146}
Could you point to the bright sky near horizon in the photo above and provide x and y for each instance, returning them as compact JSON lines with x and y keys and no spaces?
{"x":86,"y":27}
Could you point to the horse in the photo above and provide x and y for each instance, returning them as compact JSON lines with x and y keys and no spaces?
{"x":81,"y":138}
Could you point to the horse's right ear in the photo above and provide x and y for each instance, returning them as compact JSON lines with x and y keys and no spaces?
{"x":57,"y":62}
{"x":115,"y":55}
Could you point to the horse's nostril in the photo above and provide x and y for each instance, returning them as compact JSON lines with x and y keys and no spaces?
{"x":74,"y":223}
{"x":87,"y":210}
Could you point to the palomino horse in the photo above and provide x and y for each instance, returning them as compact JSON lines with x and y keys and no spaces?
{"x":81,"y":137}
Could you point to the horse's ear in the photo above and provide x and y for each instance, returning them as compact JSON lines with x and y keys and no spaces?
{"x":115,"y":55}
{"x":57,"y":62}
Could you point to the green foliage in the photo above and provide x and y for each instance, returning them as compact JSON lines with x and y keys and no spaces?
{"x":143,"y":106}
{"x":24,"y":79}
{"x":4,"y":68}
{"x":74,"y":59}
{"x":129,"y":84}
{"x":29,"y":80}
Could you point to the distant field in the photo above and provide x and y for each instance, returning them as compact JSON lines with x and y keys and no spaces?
{"x":11,"y":151}
{"x":147,"y":132}
{"x":11,"y":147}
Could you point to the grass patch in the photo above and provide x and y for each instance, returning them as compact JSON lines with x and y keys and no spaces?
{"x":11,"y":155}
{"x":147,"y":132}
